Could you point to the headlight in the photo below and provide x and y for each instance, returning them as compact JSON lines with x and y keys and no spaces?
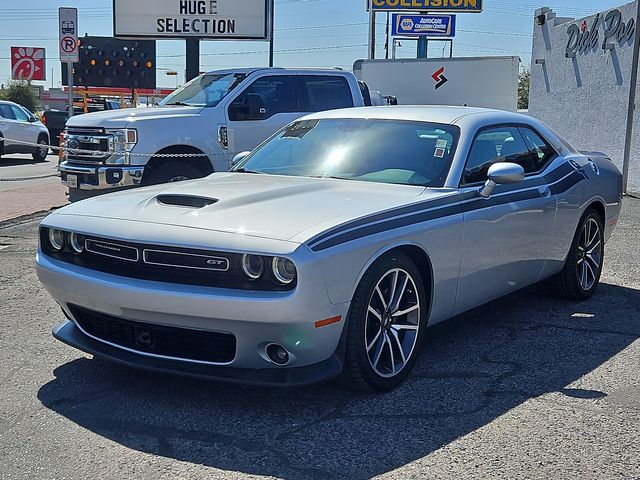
{"x":252,"y":266}
{"x":284,"y":270}
{"x":123,"y":140}
{"x":56,"y":239}
{"x":76,"y":242}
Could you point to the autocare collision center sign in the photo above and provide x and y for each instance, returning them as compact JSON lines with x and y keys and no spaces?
{"x":214,"y":19}
{"x":462,"y":6}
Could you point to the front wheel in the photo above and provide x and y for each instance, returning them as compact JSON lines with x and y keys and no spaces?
{"x":386,"y":325}
{"x":172,"y":171}
{"x":40,"y":155}
{"x":581,"y":273}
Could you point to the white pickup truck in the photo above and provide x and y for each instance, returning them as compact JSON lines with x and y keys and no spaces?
{"x":211,"y":119}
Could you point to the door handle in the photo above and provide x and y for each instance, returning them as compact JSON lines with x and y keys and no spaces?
{"x":545,"y":191}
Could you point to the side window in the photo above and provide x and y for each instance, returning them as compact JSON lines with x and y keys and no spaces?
{"x":7,"y":112}
{"x":264,"y":98}
{"x":326,"y":92}
{"x":20,"y":114}
{"x":542,"y":152}
{"x":500,"y":144}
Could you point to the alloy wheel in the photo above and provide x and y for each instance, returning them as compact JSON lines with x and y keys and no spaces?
{"x":589,"y":259}
{"x":392,"y":322}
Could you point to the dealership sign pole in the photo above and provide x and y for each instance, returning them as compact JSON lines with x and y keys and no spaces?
{"x":69,"y":53}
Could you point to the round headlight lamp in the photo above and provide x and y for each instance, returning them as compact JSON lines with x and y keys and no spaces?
{"x":76,"y":242}
{"x":252,"y":266}
{"x":56,"y":239}
{"x":284,"y":270}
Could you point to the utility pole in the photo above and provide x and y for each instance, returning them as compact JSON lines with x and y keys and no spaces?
{"x":271,"y":27}
{"x":372,"y":32}
{"x":193,"y":58}
{"x":386,"y":42}
{"x":631,"y":107}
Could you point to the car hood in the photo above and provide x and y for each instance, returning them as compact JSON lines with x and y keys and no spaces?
{"x":128,"y":117}
{"x":268,"y":206}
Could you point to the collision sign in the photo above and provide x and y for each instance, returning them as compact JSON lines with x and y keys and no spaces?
{"x":208,"y":19}
{"x":462,"y":6}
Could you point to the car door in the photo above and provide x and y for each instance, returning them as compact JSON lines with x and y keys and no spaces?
{"x":25,"y":130}
{"x":505,"y":235}
{"x":266,"y":105}
{"x":10,"y":128}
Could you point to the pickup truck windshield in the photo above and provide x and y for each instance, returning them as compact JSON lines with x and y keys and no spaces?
{"x":205,"y":91}
{"x":371,"y":150}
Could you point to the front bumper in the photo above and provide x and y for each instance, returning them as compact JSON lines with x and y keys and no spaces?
{"x":100,"y":177}
{"x":255,"y":319}
{"x":67,"y":332}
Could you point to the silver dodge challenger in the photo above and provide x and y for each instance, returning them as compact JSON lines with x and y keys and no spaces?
{"x":329,"y":249}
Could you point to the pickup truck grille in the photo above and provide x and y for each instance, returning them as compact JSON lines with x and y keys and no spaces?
{"x":89,"y":139}
{"x":174,"y":342}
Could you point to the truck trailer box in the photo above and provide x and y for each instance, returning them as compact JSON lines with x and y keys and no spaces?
{"x":490,"y":82}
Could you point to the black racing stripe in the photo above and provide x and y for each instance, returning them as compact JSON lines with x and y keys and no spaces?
{"x":416,"y":207}
{"x":481,"y":203}
{"x":321,"y":243}
{"x":389,"y":225}
{"x":569,"y":182}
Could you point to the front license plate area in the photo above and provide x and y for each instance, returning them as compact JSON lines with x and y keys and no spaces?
{"x":72,"y":181}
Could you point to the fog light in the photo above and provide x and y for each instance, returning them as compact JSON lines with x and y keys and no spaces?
{"x":77,"y":242}
{"x":56,"y":239}
{"x":277,"y":354}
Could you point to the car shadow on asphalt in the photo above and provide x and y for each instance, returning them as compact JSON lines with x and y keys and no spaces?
{"x":8,"y":161}
{"x":474,"y":369}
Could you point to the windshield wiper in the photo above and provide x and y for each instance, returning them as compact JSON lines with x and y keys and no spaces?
{"x":182,"y":104}
{"x":244,"y":170}
{"x":329,"y":176}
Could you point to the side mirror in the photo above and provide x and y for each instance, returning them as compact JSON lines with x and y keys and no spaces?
{"x":502,"y":173}
{"x":238,"y":158}
{"x":32,"y":119}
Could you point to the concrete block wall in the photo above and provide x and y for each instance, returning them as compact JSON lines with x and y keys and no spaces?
{"x":585,"y":98}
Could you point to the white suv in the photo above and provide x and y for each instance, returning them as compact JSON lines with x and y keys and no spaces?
{"x":18,"y":123}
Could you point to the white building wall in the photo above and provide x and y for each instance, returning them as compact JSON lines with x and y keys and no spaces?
{"x":585,"y":98}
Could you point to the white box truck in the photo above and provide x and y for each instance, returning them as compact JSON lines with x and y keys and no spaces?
{"x":490,"y":82}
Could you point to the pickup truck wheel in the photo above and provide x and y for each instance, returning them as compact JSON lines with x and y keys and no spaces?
{"x":385,"y":326}
{"x":172,"y":171}
{"x":40,"y":155}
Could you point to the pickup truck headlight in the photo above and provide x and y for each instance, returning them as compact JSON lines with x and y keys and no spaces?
{"x":122,"y":142}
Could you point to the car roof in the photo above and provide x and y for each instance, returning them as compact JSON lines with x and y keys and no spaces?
{"x":452,"y":115}
{"x":249,"y":71}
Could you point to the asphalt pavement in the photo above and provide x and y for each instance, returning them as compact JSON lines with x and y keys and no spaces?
{"x":527,"y":387}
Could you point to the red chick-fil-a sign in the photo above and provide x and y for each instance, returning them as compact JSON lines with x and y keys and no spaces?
{"x":28,"y":63}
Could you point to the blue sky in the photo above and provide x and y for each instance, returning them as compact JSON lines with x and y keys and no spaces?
{"x":322,"y":33}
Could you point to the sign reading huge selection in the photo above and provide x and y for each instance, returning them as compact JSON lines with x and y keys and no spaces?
{"x":28,"y":63}
{"x":208,"y":19}
{"x":462,"y":6}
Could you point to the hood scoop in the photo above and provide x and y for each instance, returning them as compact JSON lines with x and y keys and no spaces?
{"x":187,"y":201}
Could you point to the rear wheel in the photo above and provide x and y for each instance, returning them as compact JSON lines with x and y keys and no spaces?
{"x":386,"y":325}
{"x":40,"y":155}
{"x":581,"y":273}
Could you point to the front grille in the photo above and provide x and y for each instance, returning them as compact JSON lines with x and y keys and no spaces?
{"x":93,"y":140}
{"x":183,"y":343}
{"x":188,"y":266}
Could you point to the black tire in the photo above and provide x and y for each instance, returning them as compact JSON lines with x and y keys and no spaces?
{"x":40,"y":155}
{"x":570,"y":281}
{"x":172,"y":171}
{"x":359,"y":372}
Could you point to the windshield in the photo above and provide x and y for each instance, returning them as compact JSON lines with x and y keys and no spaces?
{"x":384,"y":151}
{"x":206,"y":90}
